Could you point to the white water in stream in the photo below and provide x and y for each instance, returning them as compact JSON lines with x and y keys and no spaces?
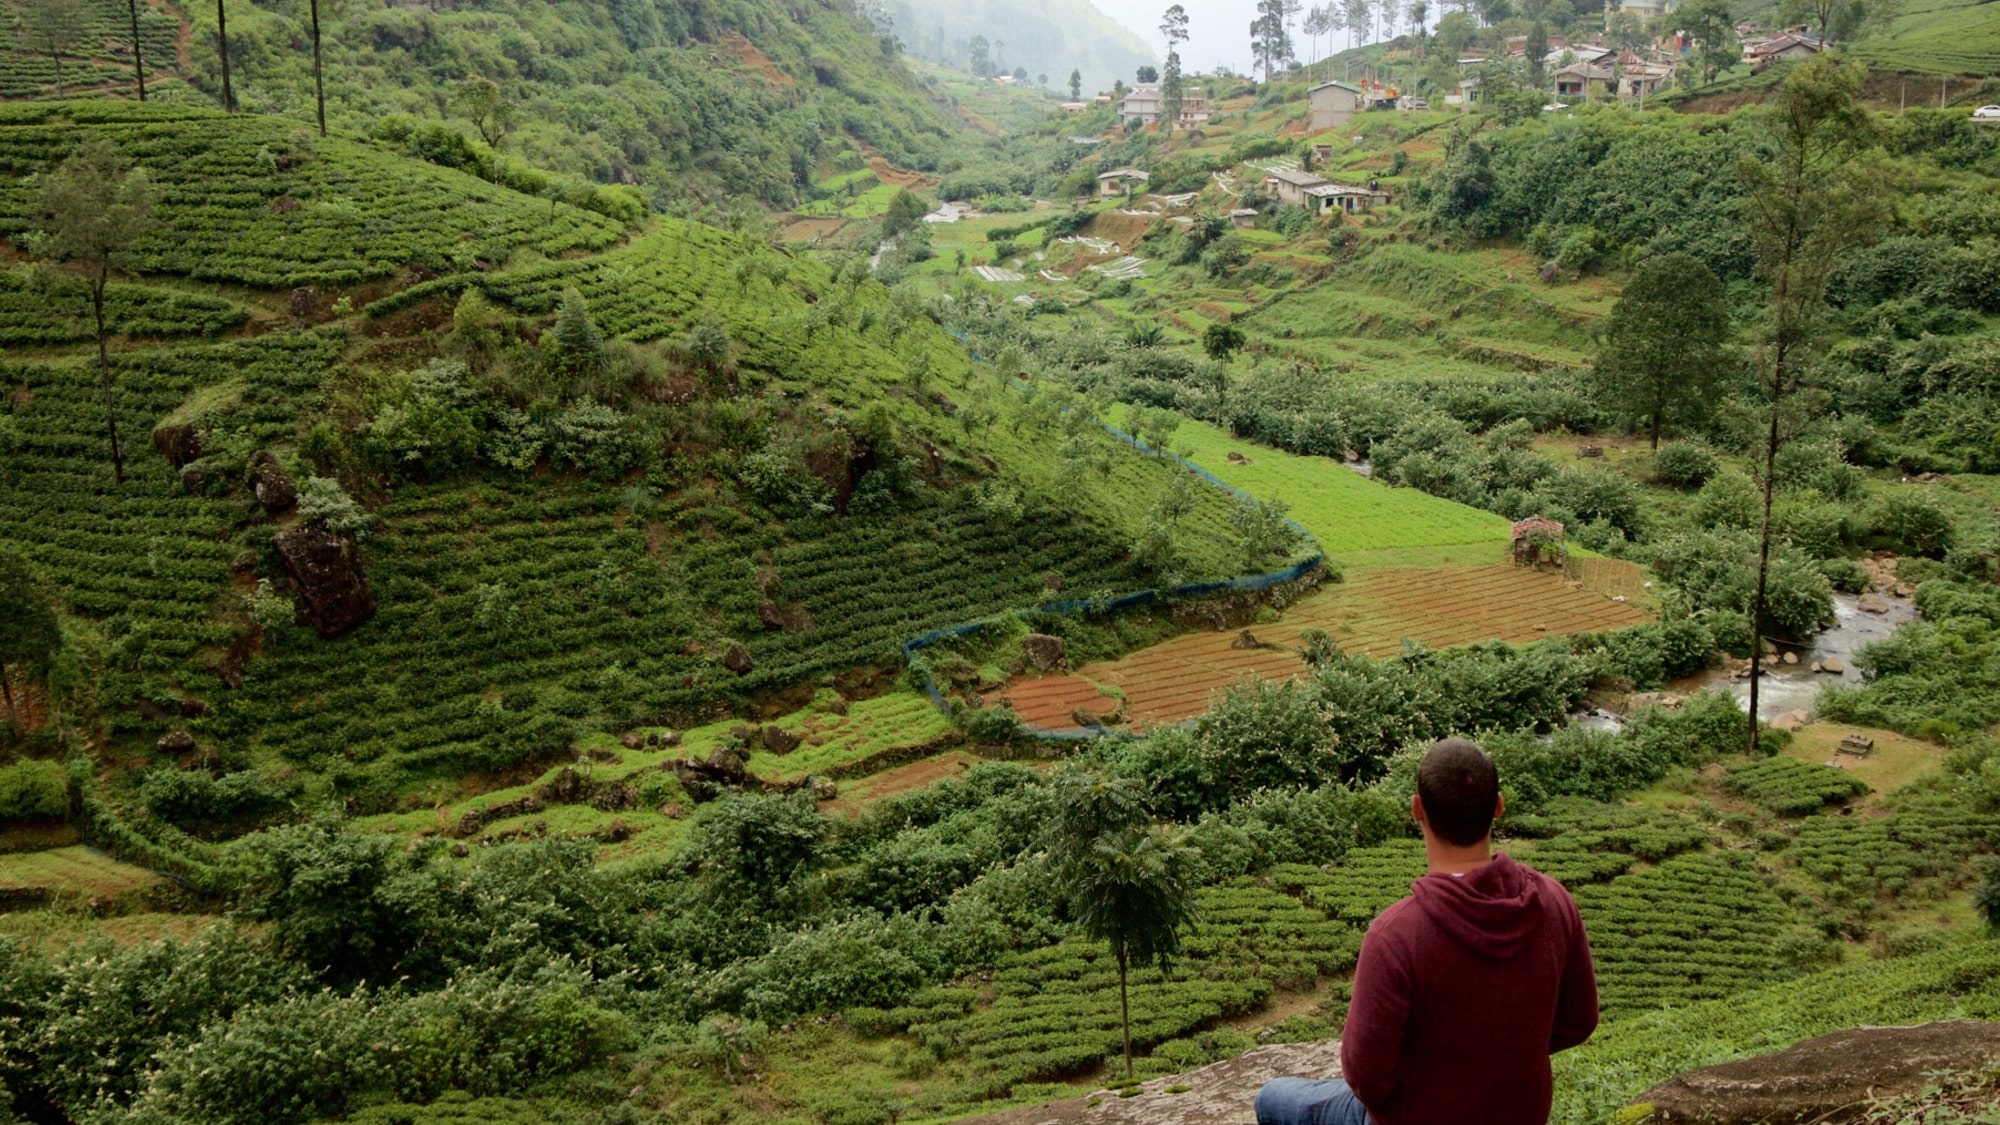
{"x":1794,"y":687}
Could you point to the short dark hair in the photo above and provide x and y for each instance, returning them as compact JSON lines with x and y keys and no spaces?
{"x":1459,"y":787}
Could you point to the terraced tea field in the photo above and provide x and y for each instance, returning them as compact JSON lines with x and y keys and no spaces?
{"x":1375,"y":612}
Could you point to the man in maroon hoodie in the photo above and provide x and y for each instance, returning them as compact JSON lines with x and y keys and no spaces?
{"x":1465,"y":988}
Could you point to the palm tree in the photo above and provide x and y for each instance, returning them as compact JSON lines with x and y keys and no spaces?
{"x":1128,"y":880}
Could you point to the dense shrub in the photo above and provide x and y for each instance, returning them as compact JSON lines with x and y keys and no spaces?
{"x":30,"y":789}
{"x":1684,"y":464}
{"x":1914,"y":523}
{"x":196,"y":796}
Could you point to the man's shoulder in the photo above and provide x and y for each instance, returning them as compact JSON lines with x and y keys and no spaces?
{"x":1552,"y":888}
{"x":1396,"y":920}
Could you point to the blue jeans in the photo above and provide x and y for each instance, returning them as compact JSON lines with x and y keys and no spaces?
{"x":1307,"y":1101}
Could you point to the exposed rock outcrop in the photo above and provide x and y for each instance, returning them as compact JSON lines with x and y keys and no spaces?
{"x":1218,"y":1094}
{"x":1044,"y":653}
{"x":178,"y":442}
{"x":1822,"y":1080}
{"x":272,"y":484}
{"x":707,"y":779}
{"x":333,"y":594}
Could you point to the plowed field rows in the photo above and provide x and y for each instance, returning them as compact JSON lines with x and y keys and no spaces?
{"x":1374,"y":614}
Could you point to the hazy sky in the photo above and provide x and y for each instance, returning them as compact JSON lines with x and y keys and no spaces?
{"x":1219,"y":31}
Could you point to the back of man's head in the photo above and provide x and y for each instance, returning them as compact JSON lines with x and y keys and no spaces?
{"x":1459,"y":788}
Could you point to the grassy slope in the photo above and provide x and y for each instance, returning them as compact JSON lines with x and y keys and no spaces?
{"x":1348,"y":513}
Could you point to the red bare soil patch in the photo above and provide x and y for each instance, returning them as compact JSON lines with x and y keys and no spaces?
{"x":885,"y":171}
{"x":858,"y":795}
{"x":1373,"y":614}
{"x":754,"y":60}
{"x":1051,"y":701}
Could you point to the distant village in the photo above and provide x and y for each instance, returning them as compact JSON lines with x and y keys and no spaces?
{"x":1574,"y":70}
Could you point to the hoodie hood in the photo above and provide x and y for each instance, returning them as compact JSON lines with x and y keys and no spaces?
{"x":1492,"y":911}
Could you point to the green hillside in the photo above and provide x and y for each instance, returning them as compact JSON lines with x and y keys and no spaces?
{"x":689,"y":100}
{"x":1938,"y":37}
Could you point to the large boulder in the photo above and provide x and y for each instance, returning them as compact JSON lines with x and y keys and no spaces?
{"x":736,"y":658}
{"x":178,"y":442}
{"x":272,"y":484}
{"x":1829,"y":1080}
{"x":1044,"y":653}
{"x":707,"y":779}
{"x":333,"y":595}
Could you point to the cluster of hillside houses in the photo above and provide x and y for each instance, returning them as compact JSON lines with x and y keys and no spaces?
{"x":1576,"y":71}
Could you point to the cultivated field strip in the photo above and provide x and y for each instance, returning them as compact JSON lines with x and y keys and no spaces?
{"x":1374,"y":614}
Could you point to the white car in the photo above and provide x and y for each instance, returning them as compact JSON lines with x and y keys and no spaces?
{"x":1986,"y":113}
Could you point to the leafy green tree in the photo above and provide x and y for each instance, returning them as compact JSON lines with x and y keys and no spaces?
{"x":29,"y":634}
{"x":1076,"y":85}
{"x":319,"y":886}
{"x":1666,"y":343}
{"x":1986,"y":896}
{"x":1804,"y":205}
{"x":1172,"y":92}
{"x":1711,"y":26}
{"x":979,"y":56}
{"x":1128,"y":882}
{"x":1262,"y":530}
{"x":1221,"y":341}
{"x":578,"y":344}
{"x":750,"y":849}
{"x":94,"y":209}
{"x":1455,"y":32}
{"x":1146,"y":75}
{"x":54,"y":28}
{"x":1270,"y":42}
{"x":906,"y":210}
{"x":482,"y":102}
{"x":1626,"y":30}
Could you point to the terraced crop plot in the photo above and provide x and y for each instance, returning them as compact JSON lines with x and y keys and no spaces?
{"x":1789,"y":787}
{"x":106,"y":44}
{"x":1373,"y":613}
{"x":260,"y":201}
{"x":1054,"y":1011}
{"x":1698,"y":927}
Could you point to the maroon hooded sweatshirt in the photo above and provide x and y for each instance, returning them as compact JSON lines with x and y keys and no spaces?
{"x":1463,"y":991}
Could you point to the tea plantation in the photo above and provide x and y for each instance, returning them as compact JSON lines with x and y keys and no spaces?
{"x":544,"y":652}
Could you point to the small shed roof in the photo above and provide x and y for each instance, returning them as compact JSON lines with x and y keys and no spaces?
{"x":1243,"y":213}
{"x":1124,"y":174}
{"x":1336,"y":85}
{"x":1298,"y":179}
{"x":1537,"y":523}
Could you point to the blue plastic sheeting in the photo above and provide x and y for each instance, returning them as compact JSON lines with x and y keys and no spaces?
{"x":1124,"y":601}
